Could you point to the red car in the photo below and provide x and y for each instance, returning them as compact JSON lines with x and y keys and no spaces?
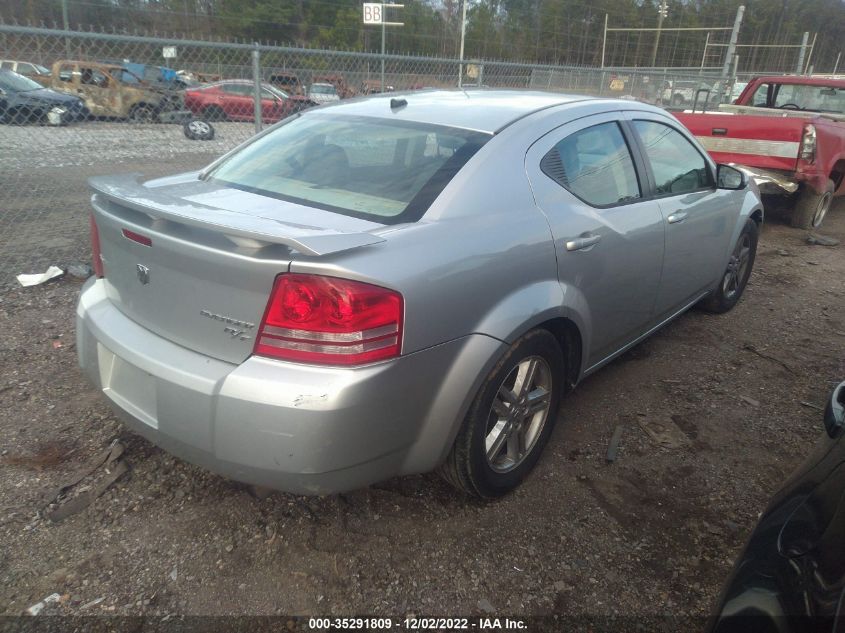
{"x":234,"y":100}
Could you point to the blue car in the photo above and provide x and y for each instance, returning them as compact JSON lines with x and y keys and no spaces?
{"x":24,"y":101}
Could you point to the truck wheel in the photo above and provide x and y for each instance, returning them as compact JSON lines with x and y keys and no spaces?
{"x":735,"y":278}
{"x":198,"y":130}
{"x":811,"y":207}
{"x":678,"y":100}
{"x":510,"y":420}
{"x":142,"y":114}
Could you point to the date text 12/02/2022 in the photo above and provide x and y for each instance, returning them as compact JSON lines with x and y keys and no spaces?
{"x":416,"y":624}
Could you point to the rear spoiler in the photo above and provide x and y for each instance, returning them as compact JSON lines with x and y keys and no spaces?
{"x":243,"y":229}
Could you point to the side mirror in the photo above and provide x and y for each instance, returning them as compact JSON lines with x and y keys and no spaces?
{"x":732,"y":178}
{"x":834,"y":412}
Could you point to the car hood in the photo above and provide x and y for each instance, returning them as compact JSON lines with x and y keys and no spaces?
{"x":46,"y":96}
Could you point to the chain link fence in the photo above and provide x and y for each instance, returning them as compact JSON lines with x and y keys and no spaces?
{"x":123,"y":102}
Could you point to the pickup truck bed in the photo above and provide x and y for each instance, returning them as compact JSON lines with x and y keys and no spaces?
{"x":788,"y":146}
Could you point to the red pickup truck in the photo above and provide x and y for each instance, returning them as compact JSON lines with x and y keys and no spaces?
{"x":790,"y":132}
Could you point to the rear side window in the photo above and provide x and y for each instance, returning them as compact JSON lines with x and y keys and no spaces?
{"x":238,"y":89}
{"x":383,"y":170}
{"x":677,"y":165}
{"x":760,"y":98}
{"x":66,"y":73}
{"x":595,"y":165}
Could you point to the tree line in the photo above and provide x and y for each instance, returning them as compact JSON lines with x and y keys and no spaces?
{"x":569,"y":32}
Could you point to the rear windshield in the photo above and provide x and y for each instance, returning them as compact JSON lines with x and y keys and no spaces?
{"x":17,"y":83}
{"x":382,"y":170}
{"x":815,"y":98}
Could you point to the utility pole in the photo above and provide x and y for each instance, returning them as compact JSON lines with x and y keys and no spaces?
{"x":810,"y":55}
{"x":66,"y":26}
{"x":799,"y":68}
{"x":731,"y":52}
{"x":463,"y":37}
{"x":604,"y":41}
{"x":729,"y":55}
{"x":374,"y":13}
{"x":662,"y":12}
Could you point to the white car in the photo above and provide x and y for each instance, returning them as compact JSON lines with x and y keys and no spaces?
{"x":23,"y":68}
{"x":323,"y":93}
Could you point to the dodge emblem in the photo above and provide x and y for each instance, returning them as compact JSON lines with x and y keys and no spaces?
{"x":143,"y":273}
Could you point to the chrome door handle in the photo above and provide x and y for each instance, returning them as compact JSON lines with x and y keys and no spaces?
{"x":677,"y":216}
{"x":580,"y":243}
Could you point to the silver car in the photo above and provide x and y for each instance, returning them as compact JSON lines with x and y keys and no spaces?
{"x":399,"y":284}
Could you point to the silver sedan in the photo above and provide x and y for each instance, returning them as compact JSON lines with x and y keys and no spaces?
{"x":400,"y":284}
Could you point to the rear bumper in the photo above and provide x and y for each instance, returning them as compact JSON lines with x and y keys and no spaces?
{"x":302,"y":429}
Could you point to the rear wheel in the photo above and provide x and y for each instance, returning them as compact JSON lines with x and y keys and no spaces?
{"x":214,"y":113}
{"x":510,"y":419}
{"x":142,"y":113}
{"x":736,"y":276}
{"x":811,"y":206}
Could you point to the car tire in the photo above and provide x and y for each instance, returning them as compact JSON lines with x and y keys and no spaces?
{"x":198,"y":130}
{"x":142,"y":113}
{"x":735,"y":278}
{"x":678,"y":100}
{"x":214,"y":113}
{"x":501,"y":439}
{"x":812,"y":207}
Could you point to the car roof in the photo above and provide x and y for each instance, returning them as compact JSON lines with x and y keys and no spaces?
{"x":480,"y":110}
{"x":834,"y":82}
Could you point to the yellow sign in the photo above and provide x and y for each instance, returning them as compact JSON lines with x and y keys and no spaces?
{"x":617,"y":84}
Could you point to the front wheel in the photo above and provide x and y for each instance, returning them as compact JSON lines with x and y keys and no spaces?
{"x":739,"y":268}
{"x":811,"y":206}
{"x":510,"y":419}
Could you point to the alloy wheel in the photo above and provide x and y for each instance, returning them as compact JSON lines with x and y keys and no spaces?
{"x":519,"y":413}
{"x":737,"y":266}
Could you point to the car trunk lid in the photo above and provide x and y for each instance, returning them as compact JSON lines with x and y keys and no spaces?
{"x":195,"y":262}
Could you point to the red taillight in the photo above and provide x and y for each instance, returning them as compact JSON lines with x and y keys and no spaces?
{"x":330,"y":321}
{"x":96,"y":258}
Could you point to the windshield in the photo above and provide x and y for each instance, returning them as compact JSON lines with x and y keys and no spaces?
{"x":124,"y":76}
{"x":323,"y":90}
{"x":382,"y":170}
{"x":816,"y":98}
{"x":10,"y":80}
{"x":275,"y":91}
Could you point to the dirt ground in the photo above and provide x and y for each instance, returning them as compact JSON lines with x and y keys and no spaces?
{"x":655,"y":532}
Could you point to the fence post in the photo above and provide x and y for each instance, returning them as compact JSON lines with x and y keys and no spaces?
{"x":256,"y":77}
